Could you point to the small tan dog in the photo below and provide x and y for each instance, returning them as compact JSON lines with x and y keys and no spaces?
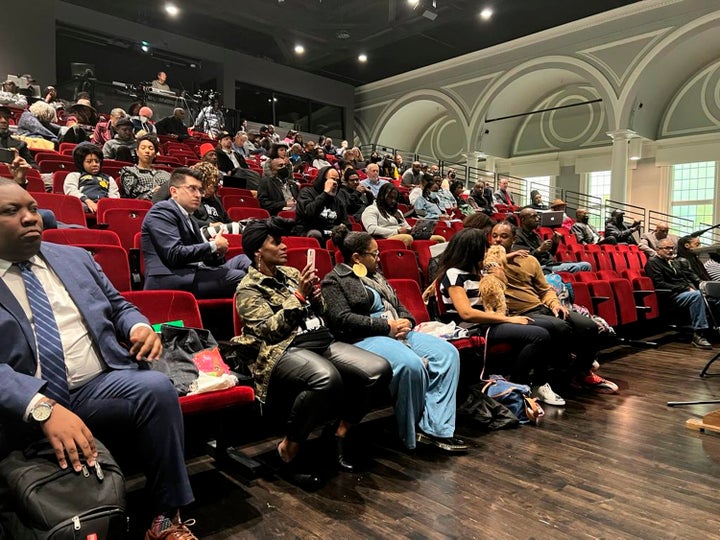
{"x":493,"y":284}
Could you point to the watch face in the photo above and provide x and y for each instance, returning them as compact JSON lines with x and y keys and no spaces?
{"x":41,"y":412}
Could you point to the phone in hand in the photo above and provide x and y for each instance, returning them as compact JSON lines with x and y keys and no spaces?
{"x":311,"y":258}
{"x":6,"y":155}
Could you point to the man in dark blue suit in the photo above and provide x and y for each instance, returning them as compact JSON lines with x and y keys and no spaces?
{"x":100,"y":388}
{"x":176,"y":255}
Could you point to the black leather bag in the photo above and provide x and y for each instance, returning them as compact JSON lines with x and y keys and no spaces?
{"x":50,"y":503}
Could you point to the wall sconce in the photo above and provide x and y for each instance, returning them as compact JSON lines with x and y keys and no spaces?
{"x":635,"y":149}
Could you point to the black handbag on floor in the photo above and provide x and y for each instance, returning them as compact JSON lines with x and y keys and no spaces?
{"x":50,"y":503}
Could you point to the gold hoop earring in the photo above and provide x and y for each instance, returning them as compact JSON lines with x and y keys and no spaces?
{"x":359,"y":269}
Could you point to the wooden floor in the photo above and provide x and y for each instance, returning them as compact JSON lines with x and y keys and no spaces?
{"x":620,"y":466}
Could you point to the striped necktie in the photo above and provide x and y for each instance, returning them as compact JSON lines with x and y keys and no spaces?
{"x":50,"y":350}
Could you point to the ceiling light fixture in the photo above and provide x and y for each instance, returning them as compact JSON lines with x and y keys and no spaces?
{"x":413,"y":3}
{"x":299,"y":49}
{"x":486,"y":13}
{"x":362,"y":58}
{"x":172,"y":10}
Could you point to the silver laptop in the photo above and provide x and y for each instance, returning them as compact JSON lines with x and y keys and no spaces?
{"x":551,"y":219}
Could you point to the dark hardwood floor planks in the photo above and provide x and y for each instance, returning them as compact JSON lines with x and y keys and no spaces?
{"x":621,"y":466}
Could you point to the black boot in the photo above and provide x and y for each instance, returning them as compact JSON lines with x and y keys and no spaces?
{"x":341,"y":455}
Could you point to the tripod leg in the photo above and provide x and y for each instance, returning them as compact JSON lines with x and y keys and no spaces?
{"x":704,"y":372}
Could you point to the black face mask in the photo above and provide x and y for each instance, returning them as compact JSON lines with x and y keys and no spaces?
{"x":283,"y":173}
{"x":584,"y":219}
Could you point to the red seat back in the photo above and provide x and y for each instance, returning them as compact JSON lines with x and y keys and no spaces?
{"x":229,"y":201}
{"x":164,"y":306}
{"x":297,"y":258}
{"x":67,"y":209}
{"x":300,"y":242}
{"x":114,"y":262}
{"x":126,"y":223}
{"x":408,"y":292}
{"x":80,"y":237}
{"x":127,"y":204}
{"x":238,"y":213}
{"x":399,"y":264}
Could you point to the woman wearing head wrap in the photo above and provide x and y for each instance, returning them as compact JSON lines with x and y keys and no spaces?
{"x":302,"y":374}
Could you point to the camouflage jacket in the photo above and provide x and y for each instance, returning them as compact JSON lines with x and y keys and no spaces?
{"x":271,"y":315}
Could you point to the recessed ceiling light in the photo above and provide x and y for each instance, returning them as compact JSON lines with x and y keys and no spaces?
{"x":413,"y":3}
{"x":144,"y":48}
{"x":172,"y":9}
{"x":299,"y":49}
{"x":486,"y":13}
{"x":362,"y":58}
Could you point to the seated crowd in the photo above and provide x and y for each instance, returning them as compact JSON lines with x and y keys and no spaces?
{"x":328,"y":348}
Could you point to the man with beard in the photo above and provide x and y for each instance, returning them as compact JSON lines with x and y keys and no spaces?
{"x":586,"y":233}
{"x":615,"y":227}
{"x":277,"y":190}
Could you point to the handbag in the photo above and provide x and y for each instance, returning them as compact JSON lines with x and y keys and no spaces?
{"x":480,"y":410}
{"x":516,"y":397}
{"x":423,"y":229}
{"x":189,"y":352}
{"x":47,"y":502}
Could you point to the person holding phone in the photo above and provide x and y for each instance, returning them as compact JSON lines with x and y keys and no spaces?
{"x":7,"y":142}
{"x":318,"y":208}
{"x":303,"y":375}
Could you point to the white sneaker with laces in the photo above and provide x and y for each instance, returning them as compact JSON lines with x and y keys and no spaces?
{"x":546,"y":394}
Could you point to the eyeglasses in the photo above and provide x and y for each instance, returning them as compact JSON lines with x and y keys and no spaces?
{"x":193,"y":189}
{"x":666,"y":247}
{"x":375,"y":253}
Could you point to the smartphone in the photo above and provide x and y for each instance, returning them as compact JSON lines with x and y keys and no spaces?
{"x":311,"y":258}
{"x":6,"y":156}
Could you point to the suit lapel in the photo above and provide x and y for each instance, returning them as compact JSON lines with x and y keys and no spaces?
{"x":9,"y":303}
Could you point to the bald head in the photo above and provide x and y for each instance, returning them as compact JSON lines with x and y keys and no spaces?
{"x":661,"y":230}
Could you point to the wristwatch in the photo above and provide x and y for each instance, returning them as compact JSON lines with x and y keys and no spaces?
{"x":42,"y":411}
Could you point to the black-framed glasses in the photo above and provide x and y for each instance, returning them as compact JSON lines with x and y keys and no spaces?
{"x":375,"y":253}
{"x":666,"y":247}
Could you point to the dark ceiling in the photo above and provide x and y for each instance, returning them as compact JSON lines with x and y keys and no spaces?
{"x":395,"y":37}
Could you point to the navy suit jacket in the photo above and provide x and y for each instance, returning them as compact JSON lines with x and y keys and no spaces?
{"x":169,"y":246}
{"x":107,"y":315}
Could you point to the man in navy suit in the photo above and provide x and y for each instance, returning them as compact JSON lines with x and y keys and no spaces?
{"x":176,"y":254}
{"x":105,"y":392}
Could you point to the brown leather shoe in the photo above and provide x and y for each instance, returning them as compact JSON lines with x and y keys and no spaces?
{"x":178,"y":531}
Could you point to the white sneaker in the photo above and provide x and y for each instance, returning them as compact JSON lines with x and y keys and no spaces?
{"x":595,"y":365}
{"x":545,"y":394}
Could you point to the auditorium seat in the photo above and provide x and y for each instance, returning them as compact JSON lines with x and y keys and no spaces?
{"x":240,"y":213}
{"x":79,"y":237}
{"x":67,"y":209}
{"x":400,"y":263}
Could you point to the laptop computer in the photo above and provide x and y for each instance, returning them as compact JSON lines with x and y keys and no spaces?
{"x":551,"y":219}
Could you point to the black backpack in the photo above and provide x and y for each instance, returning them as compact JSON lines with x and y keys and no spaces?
{"x":49,"y":503}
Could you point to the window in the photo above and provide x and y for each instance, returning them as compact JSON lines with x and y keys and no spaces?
{"x":270,"y":107}
{"x":598,"y":187}
{"x":692,"y":192}
{"x":541,"y":184}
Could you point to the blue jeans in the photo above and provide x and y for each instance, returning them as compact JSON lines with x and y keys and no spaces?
{"x":424,"y":394}
{"x":571,"y":267}
{"x":694,"y":302}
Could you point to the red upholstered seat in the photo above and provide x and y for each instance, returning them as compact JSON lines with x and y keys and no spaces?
{"x":67,"y":209}
{"x":239,"y":213}
{"x":81,"y":237}
{"x":107,"y":203}
{"x":213,"y":401}
{"x":297,"y":258}
{"x":400,"y":264}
